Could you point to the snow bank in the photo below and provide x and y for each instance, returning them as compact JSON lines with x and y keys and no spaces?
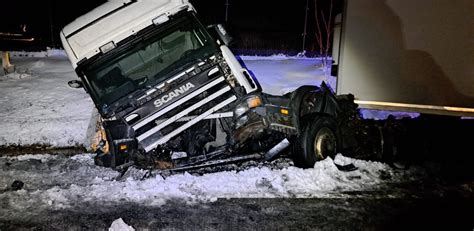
{"x":381,"y":115}
{"x":39,"y":54}
{"x":41,"y":158}
{"x":59,"y":182}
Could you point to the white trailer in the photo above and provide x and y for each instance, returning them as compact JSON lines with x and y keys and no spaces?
{"x":408,"y":55}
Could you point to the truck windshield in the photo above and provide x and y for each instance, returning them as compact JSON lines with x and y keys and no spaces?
{"x":149,"y":61}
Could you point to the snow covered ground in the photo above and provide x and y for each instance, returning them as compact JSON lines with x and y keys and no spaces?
{"x":62,"y":192}
{"x":38,"y":108}
{"x":279,"y":74}
{"x":60,"y":182}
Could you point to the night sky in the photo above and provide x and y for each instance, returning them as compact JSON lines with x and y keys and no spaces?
{"x":258,"y":25}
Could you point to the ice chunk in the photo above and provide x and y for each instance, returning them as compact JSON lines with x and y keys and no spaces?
{"x":120,"y":225}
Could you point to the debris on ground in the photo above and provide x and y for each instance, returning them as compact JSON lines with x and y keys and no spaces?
{"x":17,"y":185}
{"x":120,"y":225}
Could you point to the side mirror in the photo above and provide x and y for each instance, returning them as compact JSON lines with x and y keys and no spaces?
{"x":222,"y":33}
{"x":75,"y":84}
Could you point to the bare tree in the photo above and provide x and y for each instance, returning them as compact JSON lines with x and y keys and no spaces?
{"x":324,"y":30}
{"x":227,"y":10}
{"x":303,"y":51}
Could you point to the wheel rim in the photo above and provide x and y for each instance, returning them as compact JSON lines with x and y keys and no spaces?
{"x":324,"y":143}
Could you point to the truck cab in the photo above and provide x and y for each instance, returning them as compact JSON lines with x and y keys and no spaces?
{"x":163,"y":84}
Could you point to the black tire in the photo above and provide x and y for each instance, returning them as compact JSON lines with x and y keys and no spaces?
{"x":319,"y":139}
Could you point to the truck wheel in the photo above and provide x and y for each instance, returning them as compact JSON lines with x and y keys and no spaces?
{"x":319,"y":139}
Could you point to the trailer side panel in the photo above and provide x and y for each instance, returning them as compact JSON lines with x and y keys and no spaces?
{"x":410,"y":55}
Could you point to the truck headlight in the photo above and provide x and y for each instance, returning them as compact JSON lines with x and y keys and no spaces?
{"x":254,"y":101}
{"x":247,"y":104}
{"x":240,"y":109}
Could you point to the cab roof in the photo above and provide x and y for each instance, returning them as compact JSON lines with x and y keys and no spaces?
{"x":113,"y":21}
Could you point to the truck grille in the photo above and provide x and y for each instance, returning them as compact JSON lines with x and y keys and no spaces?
{"x":164,"y":124}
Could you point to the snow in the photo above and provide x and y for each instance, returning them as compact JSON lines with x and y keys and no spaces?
{"x":120,"y":225}
{"x":41,"y":158}
{"x":39,"y":108}
{"x":59,"y":182}
{"x":280,"y":74}
{"x":18,"y":75}
{"x":381,"y":115}
{"x":39,"y":54}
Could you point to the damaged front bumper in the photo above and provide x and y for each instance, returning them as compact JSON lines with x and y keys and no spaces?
{"x":259,"y":115}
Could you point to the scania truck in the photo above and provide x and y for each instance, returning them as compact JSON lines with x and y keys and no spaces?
{"x":171,"y":94}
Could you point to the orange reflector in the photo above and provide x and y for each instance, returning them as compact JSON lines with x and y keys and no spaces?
{"x":123,"y":147}
{"x":284,"y":111}
{"x":254,"y":102}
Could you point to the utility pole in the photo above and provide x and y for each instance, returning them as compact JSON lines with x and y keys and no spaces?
{"x":305,"y":25}
{"x":226,"y":10}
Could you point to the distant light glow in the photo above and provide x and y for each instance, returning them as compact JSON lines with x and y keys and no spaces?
{"x":15,"y":37}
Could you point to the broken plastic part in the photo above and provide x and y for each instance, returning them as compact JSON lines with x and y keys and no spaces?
{"x":277,"y":149}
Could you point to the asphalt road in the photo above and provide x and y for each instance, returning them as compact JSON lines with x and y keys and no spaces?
{"x":445,"y":204}
{"x":367,"y":213}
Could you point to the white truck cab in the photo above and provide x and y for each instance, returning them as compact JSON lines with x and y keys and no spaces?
{"x":105,"y":26}
{"x":162,"y":81}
